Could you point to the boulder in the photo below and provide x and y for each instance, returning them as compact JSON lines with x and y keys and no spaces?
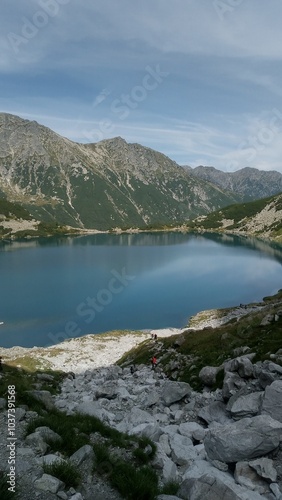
{"x":150,"y":399}
{"x":44,"y":397}
{"x":267,"y":320}
{"x":48,"y":483}
{"x":82,"y":454}
{"x":246,"y":405}
{"x":152,"y":431}
{"x":182,"y":449}
{"x":37,"y":442}
{"x":265,"y":378}
{"x":107,"y":391}
{"x":231,"y":384}
{"x":47,"y":433}
{"x":274,"y":367}
{"x":204,"y":482}
{"x":94,"y":409}
{"x":192,"y":430}
{"x":264,"y":468}
{"x":214,"y":412}
{"x":272,"y":401}
{"x":164,"y":444}
{"x":243,"y":440}
{"x":246,"y":476}
{"x":242,"y":365}
{"x":208,"y":375}
{"x":175,"y":391}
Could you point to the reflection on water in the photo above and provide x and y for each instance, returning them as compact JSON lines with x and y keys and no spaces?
{"x":163,"y":279}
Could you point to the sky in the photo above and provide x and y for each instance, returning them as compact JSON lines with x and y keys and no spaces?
{"x":198,"y":80}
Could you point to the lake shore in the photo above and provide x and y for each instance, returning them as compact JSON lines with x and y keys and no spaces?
{"x":100,"y":350}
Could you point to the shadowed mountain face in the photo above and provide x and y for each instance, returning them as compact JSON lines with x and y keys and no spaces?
{"x":105,"y":185}
{"x":248,"y":183}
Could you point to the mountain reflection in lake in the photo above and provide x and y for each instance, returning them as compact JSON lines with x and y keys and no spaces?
{"x":69,"y":286}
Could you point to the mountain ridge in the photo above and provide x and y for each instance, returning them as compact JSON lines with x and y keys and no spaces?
{"x":249,"y":183}
{"x":97,"y":186}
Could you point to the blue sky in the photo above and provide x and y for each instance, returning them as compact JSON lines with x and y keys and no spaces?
{"x":199,"y":80}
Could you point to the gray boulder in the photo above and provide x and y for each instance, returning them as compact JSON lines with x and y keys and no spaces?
{"x":264,"y":468}
{"x":175,"y":391}
{"x":246,"y":476}
{"x":182,"y":449}
{"x":243,"y":440}
{"x":47,"y":433}
{"x":265,"y":378}
{"x":246,"y":405}
{"x":267,"y":320}
{"x":242,"y":365}
{"x":37,"y":442}
{"x":82,"y":454}
{"x":231,"y":384}
{"x":192,"y":430}
{"x":94,"y":408}
{"x":49,"y":483}
{"x":208,"y":375}
{"x":44,"y":397}
{"x":272,"y":401}
{"x":204,"y":482}
{"x":107,"y":391}
{"x":214,"y":412}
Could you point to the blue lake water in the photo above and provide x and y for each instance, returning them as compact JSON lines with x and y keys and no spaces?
{"x":67,"y":287}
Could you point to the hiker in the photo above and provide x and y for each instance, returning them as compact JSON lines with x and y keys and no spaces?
{"x":155,"y":337}
{"x":152,"y":336}
{"x":132,"y":369}
{"x":154,"y":362}
{"x":1,"y":366}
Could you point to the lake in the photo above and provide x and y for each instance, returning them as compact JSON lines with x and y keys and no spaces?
{"x":58,"y":288}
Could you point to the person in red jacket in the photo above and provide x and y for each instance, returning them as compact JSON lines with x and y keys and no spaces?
{"x":154,"y":362}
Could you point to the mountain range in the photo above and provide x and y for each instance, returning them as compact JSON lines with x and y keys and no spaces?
{"x":248,"y":183}
{"x":105,"y":185}
{"x":52,"y":181}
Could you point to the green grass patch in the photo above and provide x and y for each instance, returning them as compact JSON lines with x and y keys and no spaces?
{"x":5,"y":494}
{"x":65,"y":471}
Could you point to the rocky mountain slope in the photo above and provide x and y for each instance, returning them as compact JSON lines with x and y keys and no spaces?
{"x":262,"y":218}
{"x":248,"y":183}
{"x":112,"y":433}
{"x":105,"y":185}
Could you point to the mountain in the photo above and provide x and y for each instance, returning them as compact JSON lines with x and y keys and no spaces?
{"x":248,"y":183}
{"x":102,"y":186}
{"x":261,"y":218}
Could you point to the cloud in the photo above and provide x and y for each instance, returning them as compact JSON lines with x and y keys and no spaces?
{"x":223,"y":84}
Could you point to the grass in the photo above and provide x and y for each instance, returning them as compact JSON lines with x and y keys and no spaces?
{"x":5,"y":494}
{"x":65,"y":471}
{"x":133,"y":483}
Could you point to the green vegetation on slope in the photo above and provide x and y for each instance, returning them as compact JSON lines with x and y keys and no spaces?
{"x":13,"y":210}
{"x":211,"y":346}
